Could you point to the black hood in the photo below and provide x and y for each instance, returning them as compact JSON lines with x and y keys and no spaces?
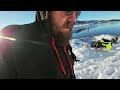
{"x":43,"y":18}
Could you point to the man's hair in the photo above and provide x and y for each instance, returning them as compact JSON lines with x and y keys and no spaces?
{"x":41,"y":15}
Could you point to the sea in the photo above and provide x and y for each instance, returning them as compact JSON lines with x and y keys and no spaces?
{"x":110,"y":28}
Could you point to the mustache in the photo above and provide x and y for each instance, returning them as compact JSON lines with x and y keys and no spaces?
{"x":69,"y":24}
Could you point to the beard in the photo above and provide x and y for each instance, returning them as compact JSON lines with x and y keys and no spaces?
{"x":62,"y":37}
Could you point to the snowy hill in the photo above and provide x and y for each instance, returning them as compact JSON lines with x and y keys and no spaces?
{"x":93,"y":64}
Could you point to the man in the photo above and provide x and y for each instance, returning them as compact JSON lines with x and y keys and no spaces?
{"x":39,"y":50}
{"x":105,"y":43}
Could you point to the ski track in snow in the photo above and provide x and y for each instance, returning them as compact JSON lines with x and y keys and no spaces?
{"x":93,"y":64}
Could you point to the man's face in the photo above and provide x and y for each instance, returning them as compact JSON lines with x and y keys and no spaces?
{"x":62,"y":23}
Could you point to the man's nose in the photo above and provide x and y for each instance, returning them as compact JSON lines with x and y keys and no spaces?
{"x":72,"y":17}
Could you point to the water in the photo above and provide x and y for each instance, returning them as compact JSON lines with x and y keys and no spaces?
{"x":112,"y":28}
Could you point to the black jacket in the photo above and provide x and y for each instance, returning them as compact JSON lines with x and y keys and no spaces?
{"x":33,"y":54}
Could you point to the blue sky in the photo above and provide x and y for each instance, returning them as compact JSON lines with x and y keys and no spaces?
{"x":23,"y":17}
{"x":99,"y":15}
{"x":16,"y":17}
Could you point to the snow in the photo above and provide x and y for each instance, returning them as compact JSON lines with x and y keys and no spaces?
{"x":80,"y":25}
{"x":95,"y":64}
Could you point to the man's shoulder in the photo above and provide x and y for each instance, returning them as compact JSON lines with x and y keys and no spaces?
{"x":6,"y":36}
{"x":12,"y":30}
{"x":8,"y":30}
{"x":9,"y":34}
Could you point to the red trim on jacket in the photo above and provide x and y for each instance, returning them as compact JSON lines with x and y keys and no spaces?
{"x":60,"y":61}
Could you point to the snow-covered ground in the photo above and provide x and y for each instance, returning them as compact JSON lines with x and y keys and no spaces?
{"x":96,"y":64}
{"x":80,"y":27}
